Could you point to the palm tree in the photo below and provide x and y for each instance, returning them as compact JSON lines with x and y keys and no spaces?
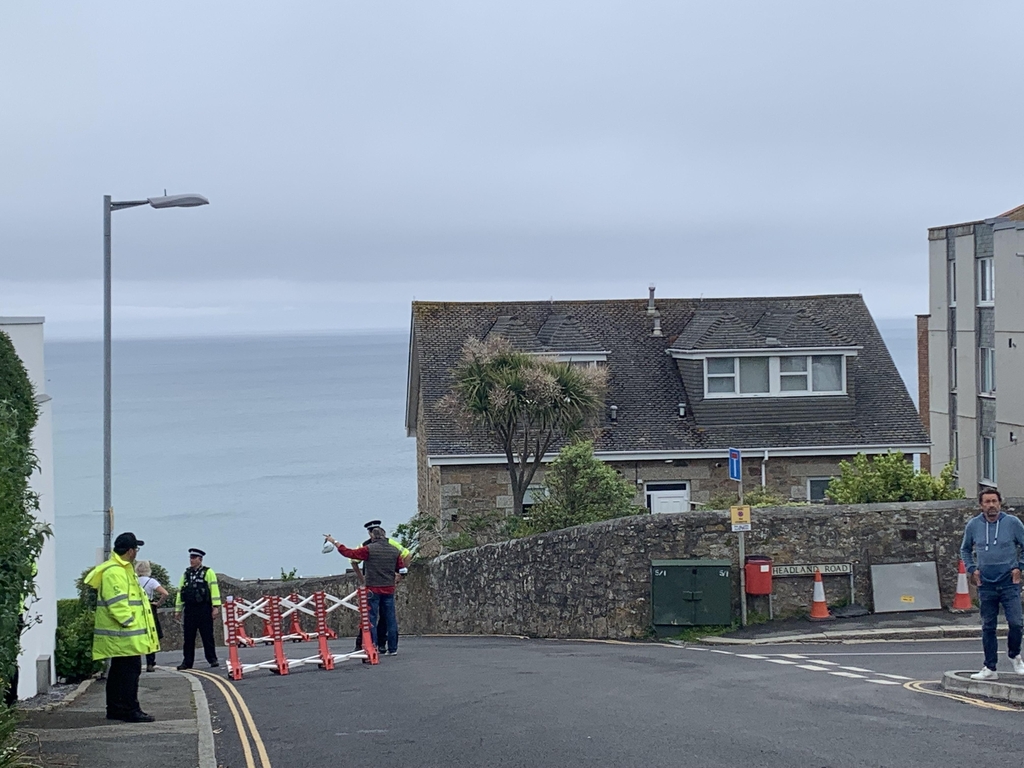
{"x":525,"y":404}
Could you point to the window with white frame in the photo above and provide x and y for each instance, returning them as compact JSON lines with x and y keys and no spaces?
{"x":952,"y":369}
{"x":988,"y":459}
{"x":986,"y":281}
{"x":816,"y":487}
{"x":951,"y":282}
{"x":987,"y":370}
{"x":780,"y":376}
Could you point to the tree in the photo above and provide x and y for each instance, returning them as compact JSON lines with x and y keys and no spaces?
{"x":16,"y":390}
{"x":889,"y":477}
{"x":524,"y":403}
{"x":580,"y":489}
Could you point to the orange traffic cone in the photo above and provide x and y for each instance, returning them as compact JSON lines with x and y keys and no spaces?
{"x":819,"y":609}
{"x":962,"y":601}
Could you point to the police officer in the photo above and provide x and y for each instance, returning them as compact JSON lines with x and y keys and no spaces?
{"x":123,"y":629}
{"x":199,"y":596}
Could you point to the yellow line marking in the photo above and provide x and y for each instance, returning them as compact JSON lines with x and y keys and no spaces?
{"x":249,"y":762}
{"x":228,"y":689}
{"x":918,"y":687}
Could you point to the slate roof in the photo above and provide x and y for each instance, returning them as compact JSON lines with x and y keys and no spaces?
{"x":647,"y":384}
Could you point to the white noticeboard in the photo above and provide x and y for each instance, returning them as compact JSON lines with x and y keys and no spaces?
{"x":905,"y":587}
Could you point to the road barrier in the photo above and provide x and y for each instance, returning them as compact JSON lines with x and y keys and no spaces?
{"x":269,"y":609}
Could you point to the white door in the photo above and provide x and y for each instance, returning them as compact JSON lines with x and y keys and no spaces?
{"x":668,"y":498}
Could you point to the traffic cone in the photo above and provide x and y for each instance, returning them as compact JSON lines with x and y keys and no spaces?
{"x":962,"y":601}
{"x":819,"y":609}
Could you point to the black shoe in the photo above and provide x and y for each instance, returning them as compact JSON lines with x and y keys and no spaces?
{"x":182,"y":666}
{"x":214,"y":664}
{"x":139,"y":717}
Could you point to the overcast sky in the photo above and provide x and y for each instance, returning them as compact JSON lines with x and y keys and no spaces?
{"x":357,"y":155}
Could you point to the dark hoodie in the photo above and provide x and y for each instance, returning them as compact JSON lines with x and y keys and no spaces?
{"x":995,"y":549}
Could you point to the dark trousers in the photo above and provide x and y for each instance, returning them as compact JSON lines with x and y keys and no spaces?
{"x":123,"y":685}
{"x":382,"y":633}
{"x":198,"y":618}
{"x":151,"y":657}
{"x":383,"y":605}
{"x":991,"y":598}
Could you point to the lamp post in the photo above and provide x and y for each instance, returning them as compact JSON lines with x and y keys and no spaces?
{"x":172,"y":201}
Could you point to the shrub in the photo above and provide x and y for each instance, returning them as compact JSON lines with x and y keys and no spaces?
{"x":580,"y":489}
{"x":755,"y":497}
{"x":73,"y":652}
{"x":889,"y":477}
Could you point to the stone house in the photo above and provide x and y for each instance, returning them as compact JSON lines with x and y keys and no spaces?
{"x":796,"y":383}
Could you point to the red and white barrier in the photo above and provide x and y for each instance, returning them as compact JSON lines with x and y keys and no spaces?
{"x":269,"y":609}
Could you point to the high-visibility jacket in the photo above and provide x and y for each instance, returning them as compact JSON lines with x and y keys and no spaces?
{"x":124,"y":622}
{"x":211,"y":582}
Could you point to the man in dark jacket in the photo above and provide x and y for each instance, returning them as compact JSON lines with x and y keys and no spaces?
{"x":381,"y":561}
{"x":199,"y":597}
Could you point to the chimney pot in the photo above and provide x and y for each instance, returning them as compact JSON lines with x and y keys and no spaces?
{"x":650,"y":299}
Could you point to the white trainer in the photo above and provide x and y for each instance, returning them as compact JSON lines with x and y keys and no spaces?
{"x":986,"y":674}
{"x":1018,"y":665}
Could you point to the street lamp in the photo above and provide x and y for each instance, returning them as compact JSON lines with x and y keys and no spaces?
{"x":168,"y":201}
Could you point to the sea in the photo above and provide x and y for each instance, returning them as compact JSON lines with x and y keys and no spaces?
{"x":250,"y":448}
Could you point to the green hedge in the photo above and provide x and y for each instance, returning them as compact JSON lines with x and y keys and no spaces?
{"x":73,"y":654}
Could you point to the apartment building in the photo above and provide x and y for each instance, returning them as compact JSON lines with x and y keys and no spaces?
{"x":974,"y":348}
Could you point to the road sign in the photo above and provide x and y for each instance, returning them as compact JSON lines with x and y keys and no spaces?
{"x":735,"y":465}
{"x":827,"y":569}
{"x":740,"y":518}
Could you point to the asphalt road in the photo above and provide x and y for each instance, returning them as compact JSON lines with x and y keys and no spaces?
{"x":474,"y":701}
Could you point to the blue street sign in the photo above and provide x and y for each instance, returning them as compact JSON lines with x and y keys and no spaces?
{"x":735,"y":465}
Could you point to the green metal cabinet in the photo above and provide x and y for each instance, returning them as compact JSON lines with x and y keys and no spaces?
{"x":688,"y":593}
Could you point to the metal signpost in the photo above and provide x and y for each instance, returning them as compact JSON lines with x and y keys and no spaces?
{"x":740,"y":524}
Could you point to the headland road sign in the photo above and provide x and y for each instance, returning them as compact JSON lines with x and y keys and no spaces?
{"x":735,"y":465}
{"x":827,"y":569}
{"x":740,"y":518}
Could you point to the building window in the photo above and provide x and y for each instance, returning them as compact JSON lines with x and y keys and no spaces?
{"x":952,"y":369}
{"x":988,"y":460}
{"x":816,"y":487}
{"x":987,"y":370}
{"x":775,"y":376}
{"x":534,"y":493}
{"x":986,"y":281}
{"x":951,"y":282}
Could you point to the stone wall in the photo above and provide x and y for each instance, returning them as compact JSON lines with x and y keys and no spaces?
{"x":594,"y":581}
{"x":483,"y":488}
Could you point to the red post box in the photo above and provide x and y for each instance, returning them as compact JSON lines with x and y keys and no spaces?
{"x":759,"y":575}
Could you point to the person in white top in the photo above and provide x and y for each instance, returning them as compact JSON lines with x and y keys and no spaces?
{"x":157,"y":595}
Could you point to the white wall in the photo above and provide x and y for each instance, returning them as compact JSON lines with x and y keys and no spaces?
{"x":27,"y":335}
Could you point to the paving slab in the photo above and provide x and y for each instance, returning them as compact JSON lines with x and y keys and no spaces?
{"x":80,"y":734}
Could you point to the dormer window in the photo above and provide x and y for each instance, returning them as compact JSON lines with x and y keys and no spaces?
{"x":774,"y":376}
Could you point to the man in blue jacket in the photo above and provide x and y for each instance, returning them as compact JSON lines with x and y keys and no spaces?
{"x":993,"y":550}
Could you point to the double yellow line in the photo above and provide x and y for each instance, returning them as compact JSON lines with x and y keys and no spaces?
{"x":231,"y":696}
{"x":918,"y":686}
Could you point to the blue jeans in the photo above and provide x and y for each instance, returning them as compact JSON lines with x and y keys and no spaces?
{"x":991,"y":597}
{"x":386,"y":604}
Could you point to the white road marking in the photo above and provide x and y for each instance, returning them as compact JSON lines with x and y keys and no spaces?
{"x":751,"y":656}
{"x":907,"y":653}
{"x":780,"y":661}
{"x":856,"y":669}
{"x":894,"y":677}
{"x":727,"y":653}
{"x":793,"y":655}
{"x":884,"y":682}
{"x":826,"y":663}
{"x":847,"y":674}
{"x":814,"y":668}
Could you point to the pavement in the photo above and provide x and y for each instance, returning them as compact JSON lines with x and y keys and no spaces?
{"x":77,"y":733}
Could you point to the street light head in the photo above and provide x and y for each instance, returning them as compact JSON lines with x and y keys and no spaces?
{"x":178,"y":201}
